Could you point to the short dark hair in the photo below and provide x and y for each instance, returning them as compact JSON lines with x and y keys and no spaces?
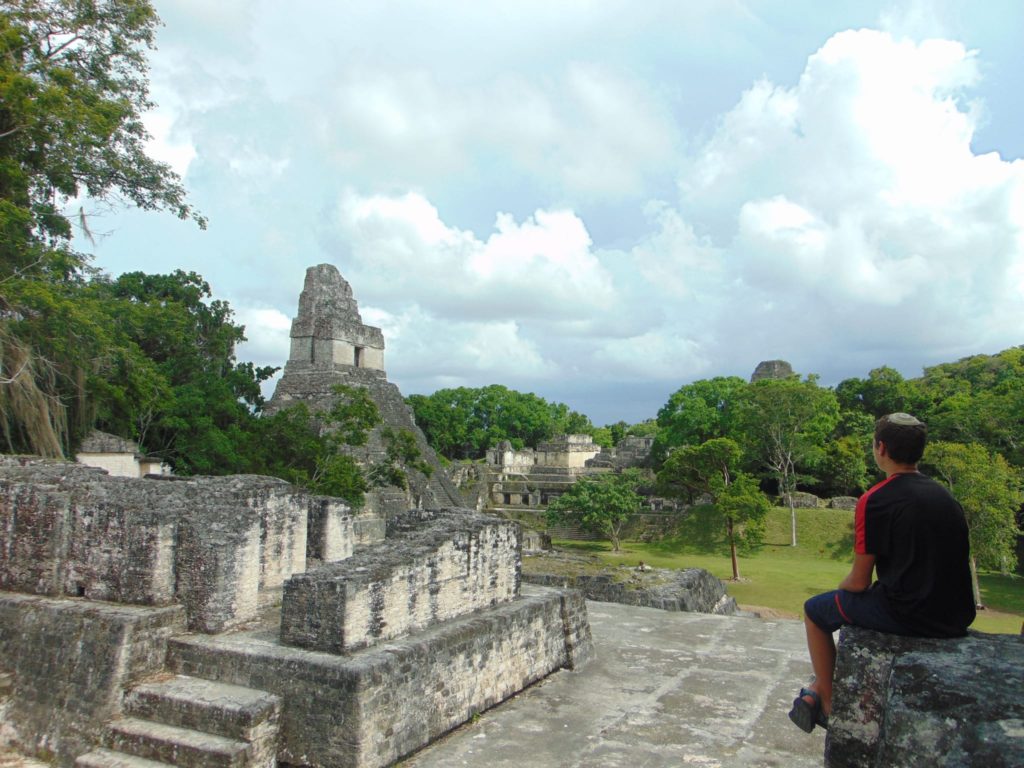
{"x":903,"y":435}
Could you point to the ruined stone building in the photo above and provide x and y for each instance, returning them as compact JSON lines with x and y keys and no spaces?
{"x":771,"y":369}
{"x":240,"y":621}
{"x":330,"y":345}
{"x":118,"y":456}
{"x":530,"y":479}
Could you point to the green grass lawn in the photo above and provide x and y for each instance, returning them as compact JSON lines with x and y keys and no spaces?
{"x":781,"y":577}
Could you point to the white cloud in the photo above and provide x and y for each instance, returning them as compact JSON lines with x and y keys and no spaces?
{"x":853,"y":200}
{"x":541,"y":268}
{"x":473,"y":353}
{"x":267,"y":334}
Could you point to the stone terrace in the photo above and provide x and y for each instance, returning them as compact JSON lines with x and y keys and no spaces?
{"x":664,"y":690}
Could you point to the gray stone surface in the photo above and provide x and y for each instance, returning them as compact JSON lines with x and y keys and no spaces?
{"x":803,"y":500}
{"x":175,"y":746}
{"x":842,"y":502}
{"x":69,"y":661}
{"x":370,"y":707}
{"x":222,"y":546}
{"x":771,"y":369}
{"x":692,"y":589}
{"x":218,"y":708}
{"x":433,"y":565}
{"x":923,"y":702}
{"x":664,"y":690}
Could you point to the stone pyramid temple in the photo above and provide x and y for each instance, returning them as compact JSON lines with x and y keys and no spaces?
{"x":331,"y":345}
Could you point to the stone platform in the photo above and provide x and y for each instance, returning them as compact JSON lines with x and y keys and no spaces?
{"x":372,"y":706}
{"x":664,"y":690}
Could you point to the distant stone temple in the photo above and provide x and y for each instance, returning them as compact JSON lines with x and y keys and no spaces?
{"x":331,"y":345}
{"x":771,"y":369}
{"x":328,"y":331}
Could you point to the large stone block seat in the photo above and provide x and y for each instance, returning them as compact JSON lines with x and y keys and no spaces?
{"x":923,"y":702}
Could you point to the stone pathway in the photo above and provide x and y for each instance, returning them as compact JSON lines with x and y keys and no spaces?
{"x":665,"y":689}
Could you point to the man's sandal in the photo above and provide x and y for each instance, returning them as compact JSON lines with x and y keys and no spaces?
{"x":807,"y":715}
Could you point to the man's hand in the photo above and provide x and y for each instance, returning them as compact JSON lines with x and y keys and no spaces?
{"x":859,"y":577}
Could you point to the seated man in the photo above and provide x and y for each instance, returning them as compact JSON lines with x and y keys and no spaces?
{"x":912,"y":532}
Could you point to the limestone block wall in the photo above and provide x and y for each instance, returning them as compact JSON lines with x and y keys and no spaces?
{"x":221,"y":546}
{"x":914,"y":701}
{"x":67,"y":529}
{"x":372,"y":707}
{"x":118,"y":464}
{"x":433,"y":565}
{"x":331,"y":532}
{"x":572,"y":451}
{"x":504,"y":456}
{"x":70,"y":661}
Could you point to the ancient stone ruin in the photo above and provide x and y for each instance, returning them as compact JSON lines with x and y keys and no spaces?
{"x":771,"y":369}
{"x":526,"y":479}
{"x":916,"y":701}
{"x":118,"y":456}
{"x":330,"y":345}
{"x":240,"y":621}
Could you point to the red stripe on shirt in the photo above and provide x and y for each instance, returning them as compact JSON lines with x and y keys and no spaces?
{"x":841,"y":611}
{"x":859,"y":534}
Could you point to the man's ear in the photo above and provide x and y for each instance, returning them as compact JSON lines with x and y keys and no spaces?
{"x":880,"y":447}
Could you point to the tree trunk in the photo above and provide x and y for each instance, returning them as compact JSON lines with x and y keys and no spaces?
{"x":792,"y":516}
{"x":613,"y":534}
{"x":974,"y":584}
{"x":732,"y":551}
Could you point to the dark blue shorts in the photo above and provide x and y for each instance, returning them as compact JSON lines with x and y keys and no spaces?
{"x":868,"y":609}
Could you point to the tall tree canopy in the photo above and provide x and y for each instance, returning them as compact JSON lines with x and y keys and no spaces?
{"x":173,"y":382}
{"x":784,"y":424}
{"x":462,"y":423}
{"x":712,"y":468}
{"x":697,"y":412}
{"x":73,"y":88}
{"x":991,"y":492}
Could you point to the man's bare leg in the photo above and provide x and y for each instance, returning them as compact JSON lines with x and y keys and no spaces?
{"x":823,"y":661}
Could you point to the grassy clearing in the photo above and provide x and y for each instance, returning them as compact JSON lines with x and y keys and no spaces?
{"x":781,"y":577}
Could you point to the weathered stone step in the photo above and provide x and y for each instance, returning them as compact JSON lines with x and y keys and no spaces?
{"x":208,"y":706}
{"x":106,"y":758}
{"x":175,"y":745}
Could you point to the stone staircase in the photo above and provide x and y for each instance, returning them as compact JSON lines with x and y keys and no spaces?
{"x":188,"y":721}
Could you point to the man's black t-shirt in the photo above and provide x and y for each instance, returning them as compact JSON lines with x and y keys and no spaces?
{"x":917,"y":532}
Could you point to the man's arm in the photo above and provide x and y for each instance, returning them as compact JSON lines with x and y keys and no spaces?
{"x":859,"y":577}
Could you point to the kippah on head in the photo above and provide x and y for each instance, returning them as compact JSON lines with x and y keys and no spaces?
{"x":903,"y":419}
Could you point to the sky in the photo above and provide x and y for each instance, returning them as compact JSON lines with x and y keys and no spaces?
{"x":599,"y":201}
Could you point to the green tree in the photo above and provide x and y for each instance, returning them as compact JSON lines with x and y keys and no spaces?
{"x":462,"y":423}
{"x":712,"y":468}
{"x":617,"y":431}
{"x":990,"y":492}
{"x":200,"y":401}
{"x":313,"y":451}
{"x":784,"y":424}
{"x":980,"y":399}
{"x":697,"y":412}
{"x":603,"y":504}
{"x":73,"y":87}
{"x":845,"y":467}
{"x":884,"y":391}
{"x":402,"y":455}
